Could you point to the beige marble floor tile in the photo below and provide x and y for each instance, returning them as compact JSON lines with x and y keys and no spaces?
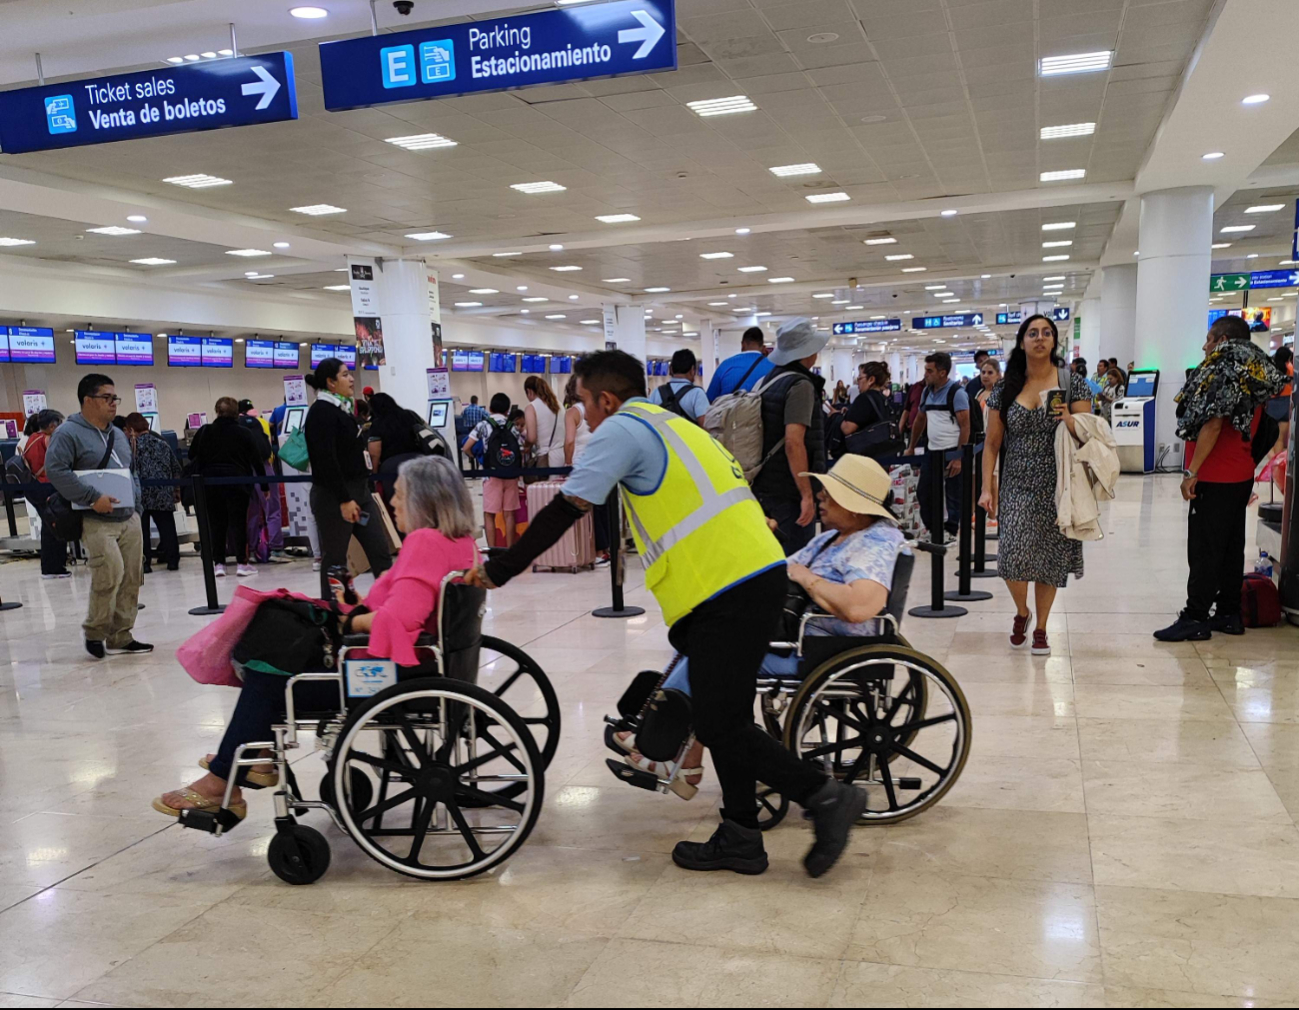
{"x":677,"y":975}
{"x":8,"y":999}
{"x":43,"y":848}
{"x":616,"y":817}
{"x":1024,"y":736}
{"x":1140,"y":701}
{"x":1221,"y":944}
{"x":993,"y":645}
{"x":1102,"y":624}
{"x":1011,"y":783}
{"x":1205,"y":855}
{"x":1009,"y":927}
{"x":864,"y":984}
{"x":1185,"y":741}
{"x":1160,"y":671}
{"x":465,"y":965}
{"x":1260,"y":695}
{"x":1015,"y":668}
{"x":1188,"y":791}
{"x":1127,"y":646}
{"x":1275,"y":744}
{"x":1043,"y":699}
{"x":1121,"y":996}
{"x":783,"y":911}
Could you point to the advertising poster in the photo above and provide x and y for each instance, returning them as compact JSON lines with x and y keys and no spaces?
{"x":439,"y":382}
{"x":369,"y":342}
{"x":365,"y":290}
{"x":295,"y":391}
{"x":33,"y":401}
{"x":146,"y":398}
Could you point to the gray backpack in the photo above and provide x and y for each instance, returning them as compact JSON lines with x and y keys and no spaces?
{"x":735,"y":420}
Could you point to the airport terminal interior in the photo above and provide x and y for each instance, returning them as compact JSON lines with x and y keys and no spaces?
{"x":464,"y":201}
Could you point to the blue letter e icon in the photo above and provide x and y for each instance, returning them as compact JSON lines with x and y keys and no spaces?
{"x":398,"y":66}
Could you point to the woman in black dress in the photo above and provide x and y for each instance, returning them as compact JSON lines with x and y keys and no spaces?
{"x":1031,"y":547}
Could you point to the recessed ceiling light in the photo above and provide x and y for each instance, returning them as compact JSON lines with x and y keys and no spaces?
{"x":780,"y":280}
{"x":427,"y":236}
{"x":743,"y":231}
{"x":715,"y":305}
{"x":1053,"y":259}
{"x":538,"y":187}
{"x":136,"y":218}
{"x":854,"y":308}
{"x":1059,"y":225}
{"x":483,"y":291}
{"x":1068,"y":130}
{"x":730,"y":296}
{"x":504,"y":254}
{"x":985,"y":276}
{"x":806,"y":168}
{"x":226,"y":52}
{"x":557,"y":316}
{"x":589,"y":322}
{"x":716,"y":256}
{"x":950,"y":301}
{"x":1274,"y":299}
{"x":656,"y":291}
{"x":192,"y":57}
{"x":1212,"y":156}
{"x":525,"y":312}
{"x":1057,"y":277}
{"x":468,"y":305}
{"x":521,"y":287}
{"x":556,"y":247}
{"x":721,"y":106}
{"x":248,"y":252}
{"x":1067,"y":173}
{"x":886,"y":240}
{"x":147,"y":261}
{"x":1075,"y":63}
{"x":752,"y":270}
{"x":421,"y":141}
{"x":899,"y":256}
{"x":616,"y":280}
{"x":280,"y":245}
{"x":1220,"y":245}
{"x":616,"y":218}
{"x":567,"y":269}
{"x":309,"y":13}
{"x":828,"y":198}
{"x":536,"y":298}
{"x":113,"y":229}
{"x":914,"y":270}
{"x":175,"y":59}
{"x":454,"y":277}
{"x":198,"y":181}
{"x":1264,"y":208}
{"x":1252,"y":256}
{"x":948,"y":213}
{"x":824,"y":294}
{"x":573,"y":298}
{"x":1254,"y":99}
{"x":1233,"y":228}
{"x":935,"y":287}
{"x":1061,"y":244}
{"x":208,"y":55}
{"x":318,"y":209}
{"x":338,"y":287}
{"x":259,"y":277}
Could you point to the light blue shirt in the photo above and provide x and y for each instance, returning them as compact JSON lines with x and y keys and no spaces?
{"x":869,"y":554}
{"x":729,"y":373}
{"x":622,"y":450}
{"x":694,"y":401}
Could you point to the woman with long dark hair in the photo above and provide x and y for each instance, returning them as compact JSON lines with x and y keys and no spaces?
{"x":1031,"y":546}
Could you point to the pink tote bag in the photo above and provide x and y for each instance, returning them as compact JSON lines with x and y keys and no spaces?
{"x":206,"y":654}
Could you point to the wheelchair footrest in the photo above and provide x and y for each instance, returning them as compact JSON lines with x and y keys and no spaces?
{"x":618,"y":726}
{"x":633,"y":776}
{"x":208,"y":820}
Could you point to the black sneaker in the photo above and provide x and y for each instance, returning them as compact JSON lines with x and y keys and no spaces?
{"x":130,"y":648}
{"x":1185,"y":629}
{"x":95,"y":648}
{"x":835,"y":808}
{"x":1228,"y":624}
{"x":732,"y":847}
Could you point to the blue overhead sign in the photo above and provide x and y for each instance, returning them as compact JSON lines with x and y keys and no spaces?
{"x":941,"y":322}
{"x":240,"y":91}
{"x":1274,"y":279}
{"x":570,"y":44}
{"x":1060,"y":314}
{"x":867,"y":326}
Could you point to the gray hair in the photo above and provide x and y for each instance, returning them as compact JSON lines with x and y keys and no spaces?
{"x":436,"y":496}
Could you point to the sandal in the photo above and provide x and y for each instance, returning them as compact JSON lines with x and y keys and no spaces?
{"x":252,"y":779}
{"x":681,"y":784}
{"x":198,"y":801}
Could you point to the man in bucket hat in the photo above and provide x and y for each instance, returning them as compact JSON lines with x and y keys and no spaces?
{"x":793,"y":426}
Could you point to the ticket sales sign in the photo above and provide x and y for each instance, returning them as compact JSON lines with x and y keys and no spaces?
{"x":240,"y":91}
{"x":570,"y":44}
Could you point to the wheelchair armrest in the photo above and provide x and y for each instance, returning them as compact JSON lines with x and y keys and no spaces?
{"x":426,"y":641}
{"x":356,"y":641}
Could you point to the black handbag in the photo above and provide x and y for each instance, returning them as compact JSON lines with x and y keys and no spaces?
{"x":878,"y":439}
{"x":58,"y":513}
{"x":797,"y":600}
{"x":289,"y":637}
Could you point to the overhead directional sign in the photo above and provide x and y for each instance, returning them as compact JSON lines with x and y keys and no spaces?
{"x":1274,"y":279}
{"x":1060,"y":313}
{"x":867,"y":326}
{"x":1222,"y":283}
{"x":941,"y":322}
{"x":240,"y":91}
{"x":1009,"y":318}
{"x":568,"y":44}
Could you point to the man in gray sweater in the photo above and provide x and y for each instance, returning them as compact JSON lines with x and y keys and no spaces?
{"x":111,"y":532}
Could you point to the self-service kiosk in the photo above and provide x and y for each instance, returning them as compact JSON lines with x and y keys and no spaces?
{"x":442,"y":419}
{"x":1133,"y":422}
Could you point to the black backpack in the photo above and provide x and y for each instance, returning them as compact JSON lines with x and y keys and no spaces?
{"x":670,"y":399}
{"x":503,"y":451}
{"x":431,"y":443}
{"x":1265,"y":436}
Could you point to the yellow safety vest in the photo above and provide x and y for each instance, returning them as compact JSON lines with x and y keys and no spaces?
{"x":700,"y":531}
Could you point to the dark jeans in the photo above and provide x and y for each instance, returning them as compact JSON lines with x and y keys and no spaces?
{"x":227,"y":508}
{"x":336,"y":533}
{"x":725,"y":639}
{"x":1215,"y":548}
{"x":54,"y":552}
{"x":785,"y":511}
{"x":168,"y":544}
{"x":951,"y":494}
{"x":260,"y":706}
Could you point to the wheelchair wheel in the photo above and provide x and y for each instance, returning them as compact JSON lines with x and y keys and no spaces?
{"x":888,"y":718}
{"x":438,"y":755}
{"x":299,"y":855}
{"x":772,"y":807}
{"x":518,"y":681}
{"x":360,"y":790}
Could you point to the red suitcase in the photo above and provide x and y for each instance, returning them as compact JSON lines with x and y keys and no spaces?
{"x":576,"y":549}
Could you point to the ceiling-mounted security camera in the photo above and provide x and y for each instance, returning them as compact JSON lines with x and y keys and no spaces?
{"x":404,"y":7}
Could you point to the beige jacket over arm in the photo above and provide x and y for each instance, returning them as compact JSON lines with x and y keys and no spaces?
{"x":1085,"y":475}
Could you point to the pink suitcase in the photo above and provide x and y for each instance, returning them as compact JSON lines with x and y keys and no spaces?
{"x":576,"y":549}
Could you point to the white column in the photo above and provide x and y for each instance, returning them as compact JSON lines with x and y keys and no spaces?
{"x":1090,"y":317}
{"x":403,"y":304}
{"x":1119,"y":312}
{"x":841,"y":366}
{"x":895,"y":366}
{"x":1172,"y":291}
{"x":727,"y":342}
{"x":629,"y":328}
{"x":914,"y":369}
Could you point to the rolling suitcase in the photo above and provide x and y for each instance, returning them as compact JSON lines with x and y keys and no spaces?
{"x":576,"y":549}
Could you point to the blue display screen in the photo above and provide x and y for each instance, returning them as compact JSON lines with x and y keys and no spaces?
{"x":561,"y":365}
{"x":501,"y":362}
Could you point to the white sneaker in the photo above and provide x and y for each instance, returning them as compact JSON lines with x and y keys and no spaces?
{"x":315,"y":565}
{"x":219,"y":571}
{"x":243,"y":570}
{"x":59,"y":575}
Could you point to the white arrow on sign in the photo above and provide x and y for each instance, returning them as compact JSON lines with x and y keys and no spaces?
{"x":647,"y":36}
{"x":978,"y":319}
{"x":267,"y":87}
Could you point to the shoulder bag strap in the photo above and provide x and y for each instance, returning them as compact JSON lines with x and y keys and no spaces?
{"x":745,"y":377}
{"x":109,"y":450}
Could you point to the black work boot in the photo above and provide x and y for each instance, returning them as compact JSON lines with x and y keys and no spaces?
{"x":1185,"y":629}
{"x":835,"y":808}
{"x":732,"y":847}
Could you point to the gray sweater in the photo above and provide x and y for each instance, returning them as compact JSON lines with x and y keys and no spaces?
{"x":79,"y":445}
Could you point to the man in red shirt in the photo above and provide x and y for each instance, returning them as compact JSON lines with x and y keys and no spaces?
{"x":1217,"y":482}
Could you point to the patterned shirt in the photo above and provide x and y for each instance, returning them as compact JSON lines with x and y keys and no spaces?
{"x":475,"y":414}
{"x":867,"y":554}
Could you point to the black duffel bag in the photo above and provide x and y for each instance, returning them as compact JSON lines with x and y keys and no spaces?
{"x":878,"y":439}
{"x":290,"y":637}
{"x":58,"y":512}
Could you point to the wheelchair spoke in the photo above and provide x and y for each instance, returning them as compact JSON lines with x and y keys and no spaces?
{"x":491,"y":799}
{"x":832,"y":748}
{"x":509,"y":681}
{"x":503,"y":750}
{"x":466,"y":832}
{"x":415,"y":743}
{"x":420,"y":831}
{"x":388,"y":804}
{"x":392,"y":767}
{"x":924,"y":762}
{"x":887,"y":777}
{"x":926,"y":723}
{"x":842,"y":716}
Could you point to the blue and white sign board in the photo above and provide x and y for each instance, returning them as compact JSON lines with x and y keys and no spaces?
{"x":367,"y":677}
{"x":569,"y":44}
{"x":1060,"y":313}
{"x":1274,"y":279}
{"x":867,"y":326}
{"x":240,"y":91}
{"x":941,"y":322}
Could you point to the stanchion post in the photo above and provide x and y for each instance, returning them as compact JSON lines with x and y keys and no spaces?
{"x":9,"y":512}
{"x":981,"y":557}
{"x":205,"y":551}
{"x":963,"y":592}
{"x":619,"y":608}
{"x":937,"y":461}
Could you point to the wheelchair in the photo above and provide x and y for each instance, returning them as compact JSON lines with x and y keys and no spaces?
{"x":435,"y":771}
{"x":871,"y":711}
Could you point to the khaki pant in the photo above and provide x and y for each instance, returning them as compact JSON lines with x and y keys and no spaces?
{"x":115,"y":556}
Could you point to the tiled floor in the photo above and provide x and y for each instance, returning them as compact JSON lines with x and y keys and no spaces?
{"x":1123,"y":835}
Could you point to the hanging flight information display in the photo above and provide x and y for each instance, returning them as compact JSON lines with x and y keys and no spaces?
{"x":94,"y":347}
{"x":286,"y":355}
{"x":218,"y":352}
{"x":184,"y":352}
{"x":259,"y":354}
{"x":867,"y":326}
{"x":134,"y":348}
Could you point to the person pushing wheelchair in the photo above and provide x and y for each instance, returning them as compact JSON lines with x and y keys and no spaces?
{"x":719,"y":575}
